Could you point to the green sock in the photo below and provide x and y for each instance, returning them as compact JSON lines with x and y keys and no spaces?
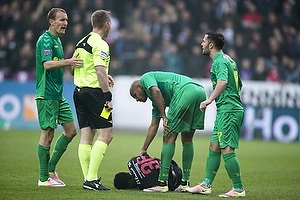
{"x":44,"y":155}
{"x":232,"y":167}
{"x":84,"y":155}
{"x":167,"y":154}
{"x":59,"y":148}
{"x":97,"y":154}
{"x":212,"y":166}
{"x":187,"y":160}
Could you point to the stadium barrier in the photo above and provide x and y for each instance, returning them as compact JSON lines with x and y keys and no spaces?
{"x":271,"y":109}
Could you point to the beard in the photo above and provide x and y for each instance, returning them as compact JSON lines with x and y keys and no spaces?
{"x":206,"y":51}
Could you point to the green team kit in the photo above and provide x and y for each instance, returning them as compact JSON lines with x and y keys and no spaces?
{"x":52,"y":107}
{"x":230,"y":110}
{"x":183,"y":97}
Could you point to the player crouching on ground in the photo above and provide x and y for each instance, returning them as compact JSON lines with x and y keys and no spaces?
{"x":144,"y":172}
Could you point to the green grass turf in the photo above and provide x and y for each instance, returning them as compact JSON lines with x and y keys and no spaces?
{"x":270,"y":170}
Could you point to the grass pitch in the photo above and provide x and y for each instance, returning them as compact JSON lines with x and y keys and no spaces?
{"x":270,"y":170}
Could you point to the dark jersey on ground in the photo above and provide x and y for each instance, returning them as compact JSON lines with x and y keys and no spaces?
{"x":145,"y":171}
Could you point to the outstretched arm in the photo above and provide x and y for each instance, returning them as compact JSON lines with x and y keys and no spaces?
{"x":158,"y":99}
{"x":221,"y":85}
{"x":57,"y":64}
{"x":152,"y":130}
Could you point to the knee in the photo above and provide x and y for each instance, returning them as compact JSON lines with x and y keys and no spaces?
{"x":107,"y":138}
{"x":186,"y":140}
{"x":214,"y":146}
{"x":71,"y":133}
{"x":74,"y":133}
{"x":110,"y":138}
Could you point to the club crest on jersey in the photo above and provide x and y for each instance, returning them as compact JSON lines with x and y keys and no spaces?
{"x":47,"y":52}
{"x":224,"y":56}
{"x":103,"y":54}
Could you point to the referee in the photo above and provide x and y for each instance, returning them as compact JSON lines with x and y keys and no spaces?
{"x":92,"y":99}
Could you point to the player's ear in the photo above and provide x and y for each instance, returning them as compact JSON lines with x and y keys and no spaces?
{"x":139,"y":86}
{"x":51,"y":21}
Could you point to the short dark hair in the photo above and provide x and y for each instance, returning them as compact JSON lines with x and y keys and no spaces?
{"x":216,"y":38}
{"x":52,"y":13}
{"x":121,"y":180}
{"x":99,"y":17}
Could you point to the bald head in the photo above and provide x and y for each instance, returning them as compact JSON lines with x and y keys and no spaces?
{"x":134,"y":86}
{"x":137,"y":91}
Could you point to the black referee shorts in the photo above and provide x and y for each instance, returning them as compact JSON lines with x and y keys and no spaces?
{"x":89,"y":104}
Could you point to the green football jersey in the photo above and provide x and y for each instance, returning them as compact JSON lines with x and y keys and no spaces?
{"x":224,"y":68}
{"x":169,"y":84}
{"x":49,"y":83}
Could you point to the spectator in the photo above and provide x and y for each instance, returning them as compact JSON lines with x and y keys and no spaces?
{"x":174,"y":61}
{"x":274,"y":48}
{"x":226,"y":10}
{"x":260,"y":70}
{"x":147,"y":43}
{"x":139,"y":18}
{"x":183,"y":41}
{"x":155,"y":26}
{"x":77,"y":32}
{"x":273,"y":73}
{"x":260,"y":44}
{"x":185,"y":20}
{"x":6,"y":17}
{"x":267,"y":6}
{"x":296,"y":45}
{"x":128,"y":53}
{"x":169,"y":16}
{"x":291,"y":71}
{"x":4,"y":57}
{"x":289,"y":32}
{"x":12,"y":43}
{"x":268,"y":25}
{"x":229,"y":33}
{"x":251,"y":20}
{"x":287,"y":16}
{"x":275,"y":29}
{"x":195,"y":63}
{"x":252,"y":51}
{"x":156,"y":61}
{"x":140,"y":64}
{"x":246,"y":71}
{"x":206,"y":14}
{"x":240,"y":45}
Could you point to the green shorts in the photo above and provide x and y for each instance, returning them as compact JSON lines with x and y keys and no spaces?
{"x":184,"y":112}
{"x":227,"y":129}
{"x":53,"y":112}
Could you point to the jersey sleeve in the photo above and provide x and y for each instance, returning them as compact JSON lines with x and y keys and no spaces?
{"x":221,"y":70}
{"x":45,"y":48}
{"x":101,"y":54}
{"x":147,"y":81}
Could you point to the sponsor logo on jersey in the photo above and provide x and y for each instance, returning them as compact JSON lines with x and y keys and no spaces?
{"x":103,"y":54}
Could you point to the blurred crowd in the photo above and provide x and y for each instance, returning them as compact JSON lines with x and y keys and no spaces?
{"x":263,"y":36}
